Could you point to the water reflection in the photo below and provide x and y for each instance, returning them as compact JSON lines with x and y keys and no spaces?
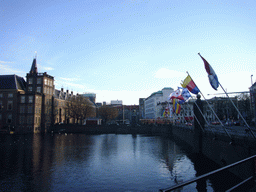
{"x":81,"y":162}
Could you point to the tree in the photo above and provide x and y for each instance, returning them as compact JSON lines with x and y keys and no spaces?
{"x":244,"y":106}
{"x":108,"y":113}
{"x":80,"y":108}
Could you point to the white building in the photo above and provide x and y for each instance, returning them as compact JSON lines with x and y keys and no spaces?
{"x":116,"y":102}
{"x":152,"y":108}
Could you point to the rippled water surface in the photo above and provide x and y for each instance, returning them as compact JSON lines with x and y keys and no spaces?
{"x":78,"y":162}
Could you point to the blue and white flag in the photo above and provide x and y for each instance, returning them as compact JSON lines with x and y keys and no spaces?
{"x":185,"y":95}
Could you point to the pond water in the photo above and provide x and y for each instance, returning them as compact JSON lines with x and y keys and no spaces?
{"x":108,"y":162}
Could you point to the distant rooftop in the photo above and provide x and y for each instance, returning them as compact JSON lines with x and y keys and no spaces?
{"x":167,"y":88}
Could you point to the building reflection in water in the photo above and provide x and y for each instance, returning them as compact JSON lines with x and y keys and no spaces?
{"x":109,"y":162}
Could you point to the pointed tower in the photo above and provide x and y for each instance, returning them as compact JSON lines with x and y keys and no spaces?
{"x":33,"y":69}
{"x":40,"y":88}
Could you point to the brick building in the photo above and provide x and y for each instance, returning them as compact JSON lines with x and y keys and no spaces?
{"x":32,"y":105}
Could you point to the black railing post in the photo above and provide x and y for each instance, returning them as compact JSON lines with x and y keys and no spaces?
{"x":198,"y":125}
{"x":254,"y":168}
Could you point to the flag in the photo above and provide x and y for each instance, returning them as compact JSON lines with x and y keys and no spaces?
{"x":176,"y":94}
{"x":166,"y":112}
{"x":176,"y":106}
{"x":190,"y":85}
{"x":170,"y":111}
{"x":185,"y":94}
{"x":211,"y":74}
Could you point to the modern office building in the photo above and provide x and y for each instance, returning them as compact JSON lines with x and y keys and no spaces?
{"x":153,"y":109}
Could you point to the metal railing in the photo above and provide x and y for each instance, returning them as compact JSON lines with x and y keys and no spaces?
{"x":215,"y":172}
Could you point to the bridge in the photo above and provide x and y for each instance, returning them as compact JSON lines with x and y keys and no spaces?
{"x":232,"y":147}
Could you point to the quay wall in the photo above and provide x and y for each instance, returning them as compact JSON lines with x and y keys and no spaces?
{"x":112,"y":129}
{"x":219,"y":148}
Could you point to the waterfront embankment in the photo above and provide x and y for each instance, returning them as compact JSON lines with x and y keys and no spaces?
{"x":112,"y":129}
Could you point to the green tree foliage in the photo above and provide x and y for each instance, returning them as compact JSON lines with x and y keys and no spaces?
{"x":80,"y":108}
{"x":107,"y":113}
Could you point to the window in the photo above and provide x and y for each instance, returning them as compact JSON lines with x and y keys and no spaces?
{"x":29,"y":88}
{"x":30,"y":81}
{"x":9,"y":105}
{"x":45,"y":81}
{"x":10,"y":95}
{"x":37,"y":99}
{"x":30,"y":109}
{"x":22,"y":99}
{"x":1,"y":105}
{"x":1,"y":95}
{"x":9,"y":118}
{"x":30,"y":99}
{"x":22,"y":109}
{"x":38,"y":89}
{"x":29,"y":120}
{"x":22,"y":120}
{"x":39,"y":81}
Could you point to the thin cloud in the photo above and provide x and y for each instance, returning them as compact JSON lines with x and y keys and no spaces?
{"x":6,"y":62}
{"x":70,"y":86}
{"x":5,"y":69}
{"x":68,"y":79}
{"x":164,"y":73}
{"x":42,"y":68}
{"x":48,"y":68}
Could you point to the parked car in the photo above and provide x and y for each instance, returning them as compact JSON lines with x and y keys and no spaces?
{"x":188,"y":124}
{"x":228,"y":123}
{"x":215,"y":123}
{"x":237,"y":123}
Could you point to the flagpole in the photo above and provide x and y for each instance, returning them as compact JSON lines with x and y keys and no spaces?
{"x":212,"y":110}
{"x":238,"y":112}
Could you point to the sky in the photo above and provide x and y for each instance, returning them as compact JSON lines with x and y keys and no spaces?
{"x":128,"y":49}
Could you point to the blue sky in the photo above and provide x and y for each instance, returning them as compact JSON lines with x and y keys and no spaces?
{"x":128,"y":49}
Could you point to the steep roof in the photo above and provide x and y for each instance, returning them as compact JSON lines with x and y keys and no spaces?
{"x":12,"y":82}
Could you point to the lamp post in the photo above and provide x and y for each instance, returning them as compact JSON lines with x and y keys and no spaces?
{"x":253,"y":101}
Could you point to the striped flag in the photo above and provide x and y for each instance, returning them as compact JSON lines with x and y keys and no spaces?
{"x":211,"y":74}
